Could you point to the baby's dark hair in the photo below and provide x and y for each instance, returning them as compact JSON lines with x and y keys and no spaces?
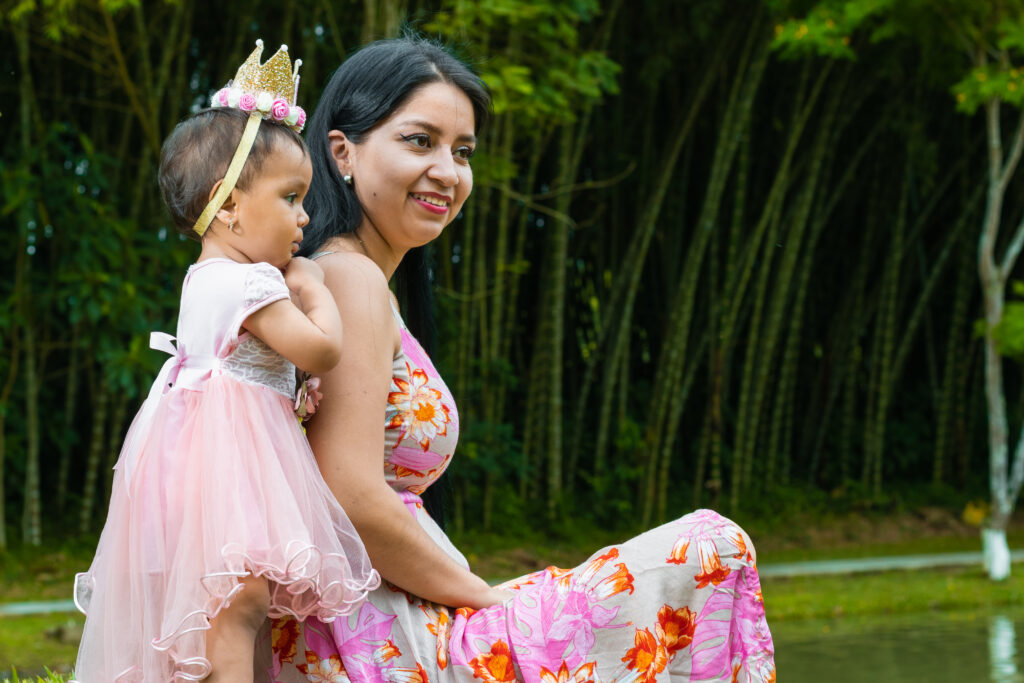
{"x":196,"y":155}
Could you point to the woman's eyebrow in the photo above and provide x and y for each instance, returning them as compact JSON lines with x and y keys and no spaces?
{"x":435,"y":131}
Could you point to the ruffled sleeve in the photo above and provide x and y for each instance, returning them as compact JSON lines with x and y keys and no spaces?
{"x":264,"y":285}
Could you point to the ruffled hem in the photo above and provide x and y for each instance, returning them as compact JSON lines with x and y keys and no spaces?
{"x":297,"y":590}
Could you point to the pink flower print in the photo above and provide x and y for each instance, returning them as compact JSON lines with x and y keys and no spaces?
{"x":247,"y":102}
{"x":279,"y":109}
{"x":361,"y":643}
{"x":577,"y":622}
{"x":419,"y":410}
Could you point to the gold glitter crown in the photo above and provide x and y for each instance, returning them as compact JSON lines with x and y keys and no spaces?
{"x":276,"y":76}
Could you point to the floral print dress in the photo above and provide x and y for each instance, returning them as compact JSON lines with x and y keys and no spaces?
{"x":681,"y":602}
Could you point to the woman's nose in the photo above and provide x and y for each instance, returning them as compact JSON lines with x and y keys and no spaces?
{"x":443,"y":169}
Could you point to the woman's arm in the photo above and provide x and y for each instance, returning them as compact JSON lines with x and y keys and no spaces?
{"x":347,"y":436}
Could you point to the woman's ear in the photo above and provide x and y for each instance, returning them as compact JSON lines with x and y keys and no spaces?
{"x":342,"y":151}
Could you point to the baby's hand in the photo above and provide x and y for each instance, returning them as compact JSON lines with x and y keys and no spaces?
{"x":301,"y":272}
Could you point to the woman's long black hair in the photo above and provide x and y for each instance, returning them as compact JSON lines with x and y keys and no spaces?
{"x":363,"y":92}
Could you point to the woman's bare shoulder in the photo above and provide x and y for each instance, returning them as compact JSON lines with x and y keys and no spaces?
{"x":360,"y":290}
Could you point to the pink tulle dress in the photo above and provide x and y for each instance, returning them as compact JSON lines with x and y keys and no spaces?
{"x":215,"y":482}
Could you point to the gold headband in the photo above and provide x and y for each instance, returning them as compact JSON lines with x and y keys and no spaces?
{"x":266,"y":91}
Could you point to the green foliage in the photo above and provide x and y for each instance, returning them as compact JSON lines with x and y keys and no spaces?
{"x":1009,"y":333}
{"x":827,"y":28}
{"x":976,"y":29}
{"x":105,"y":269}
{"x":541,"y":75}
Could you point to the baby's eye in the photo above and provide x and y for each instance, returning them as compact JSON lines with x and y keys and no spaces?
{"x":465,"y":153}
{"x":418,"y":139}
{"x":291,"y":198}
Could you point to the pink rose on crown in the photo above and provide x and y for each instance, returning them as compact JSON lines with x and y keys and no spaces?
{"x":247,"y":102}
{"x":302,"y":118}
{"x":280,"y":110}
{"x":222,"y":97}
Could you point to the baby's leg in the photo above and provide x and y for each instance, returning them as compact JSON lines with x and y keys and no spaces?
{"x":232,"y":635}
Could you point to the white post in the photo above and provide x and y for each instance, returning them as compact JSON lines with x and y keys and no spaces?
{"x":996,"y":553}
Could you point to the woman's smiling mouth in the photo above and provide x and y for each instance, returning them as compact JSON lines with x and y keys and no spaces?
{"x":434,"y":203}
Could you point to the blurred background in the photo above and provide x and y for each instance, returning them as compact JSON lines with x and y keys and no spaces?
{"x":720,"y":253}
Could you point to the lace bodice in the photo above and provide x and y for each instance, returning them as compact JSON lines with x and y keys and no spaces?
{"x":254,"y":362}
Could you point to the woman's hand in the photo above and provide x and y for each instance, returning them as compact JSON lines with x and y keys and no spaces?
{"x":496,"y":596}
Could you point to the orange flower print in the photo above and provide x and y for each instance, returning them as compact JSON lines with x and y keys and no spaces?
{"x":712,"y":570}
{"x":584,"y":674}
{"x":619,"y":582}
{"x":741,"y":547}
{"x":284,"y":638}
{"x":401,"y":471}
{"x":408,"y":675}
{"x":563,"y":576}
{"x":678,"y":553}
{"x":464,"y":612}
{"x":324,"y":670}
{"x":418,"y":408}
{"x":648,"y":658}
{"x":595,"y":565}
{"x":675,"y":628}
{"x":494,"y":666}
{"x":440,"y":629}
{"x":385,"y":652}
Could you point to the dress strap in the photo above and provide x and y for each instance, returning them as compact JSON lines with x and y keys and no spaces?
{"x":318,"y":254}
{"x":398,"y":316}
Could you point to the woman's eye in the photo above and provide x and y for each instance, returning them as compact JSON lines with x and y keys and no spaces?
{"x":464,"y":153}
{"x":419,"y":140}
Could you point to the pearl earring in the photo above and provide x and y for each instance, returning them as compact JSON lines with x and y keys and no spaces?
{"x":347,"y":178}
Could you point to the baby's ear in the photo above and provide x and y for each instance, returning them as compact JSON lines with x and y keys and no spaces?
{"x":226,"y":213}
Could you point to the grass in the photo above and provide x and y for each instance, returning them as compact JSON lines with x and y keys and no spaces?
{"x":897,"y":592}
{"x":45,"y":677}
{"x":34,"y":643}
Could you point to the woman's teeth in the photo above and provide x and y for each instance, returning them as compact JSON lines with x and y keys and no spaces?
{"x":431,"y":200}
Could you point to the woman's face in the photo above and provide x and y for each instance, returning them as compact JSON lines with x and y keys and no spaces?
{"x":412,"y":173}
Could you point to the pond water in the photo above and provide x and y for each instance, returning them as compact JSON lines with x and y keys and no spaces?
{"x":960,"y":647}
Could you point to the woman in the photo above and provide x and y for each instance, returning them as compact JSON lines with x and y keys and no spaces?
{"x":391,"y":141}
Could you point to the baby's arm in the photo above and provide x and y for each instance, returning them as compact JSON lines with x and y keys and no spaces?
{"x":309,"y":337}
